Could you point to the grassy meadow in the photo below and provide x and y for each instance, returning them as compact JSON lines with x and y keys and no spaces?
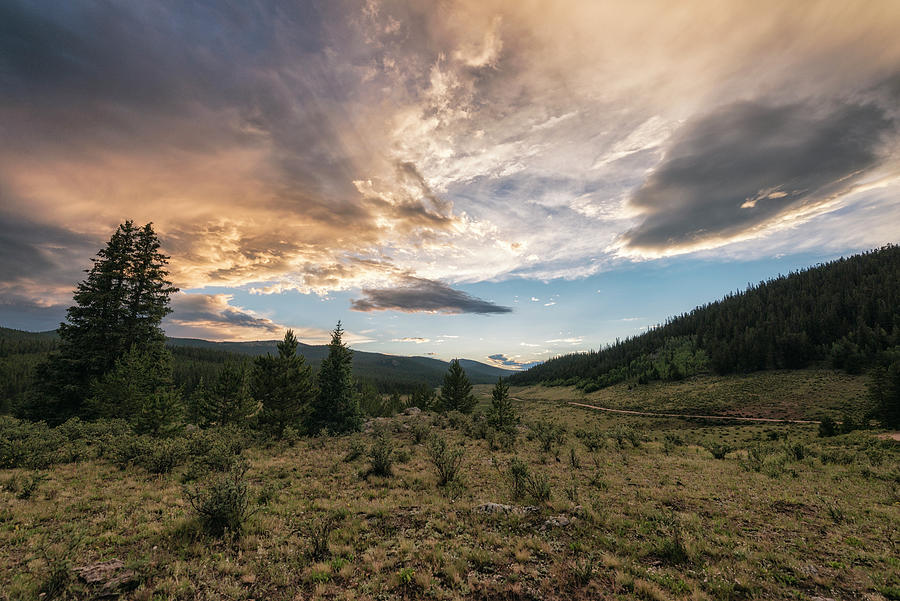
{"x":604,"y":506}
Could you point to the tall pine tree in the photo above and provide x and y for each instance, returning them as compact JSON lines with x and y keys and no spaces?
{"x":284,"y":386}
{"x":336,"y":407}
{"x":456,"y":391}
{"x":119,"y":305}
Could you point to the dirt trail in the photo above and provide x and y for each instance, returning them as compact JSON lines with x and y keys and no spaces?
{"x":689,"y":416}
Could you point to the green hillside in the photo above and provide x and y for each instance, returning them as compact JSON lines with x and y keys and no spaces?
{"x":844,"y":313}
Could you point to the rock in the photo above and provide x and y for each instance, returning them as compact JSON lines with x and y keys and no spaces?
{"x":494,"y":508}
{"x":248,"y":578}
{"x":500,"y":508}
{"x":412,"y":411}
{"x":558,"y":520}
{"x":111,"y":576}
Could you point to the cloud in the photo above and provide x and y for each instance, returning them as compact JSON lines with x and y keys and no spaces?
{"x":414,"y":339}
{"x":750,"y":163}
{"x":417,"y":294}
{"x":323,"y":146}
{"x":196,"y":308}
{"x":501,"y":360}
{"x":570,"y":340}
{"x":213,"y":317}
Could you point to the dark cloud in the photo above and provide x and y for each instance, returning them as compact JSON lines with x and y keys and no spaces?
{"x":40,"y":266}
{"x":750,"y":162}
{"x":419,"y":294}
{"x":213,"y":310}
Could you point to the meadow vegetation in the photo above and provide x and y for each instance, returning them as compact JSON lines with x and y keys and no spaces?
{"x":425,"y":505}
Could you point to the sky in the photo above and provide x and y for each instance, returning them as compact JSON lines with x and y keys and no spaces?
{"x":498,"y":180}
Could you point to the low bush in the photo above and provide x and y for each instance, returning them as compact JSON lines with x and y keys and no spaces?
{"x":527,"y":485}
{"x":223,"y":503}
{"x":381,"y":454}
{"x":594,"y":440}
{"x":318,"y":531}
{"x":622,"y":434}
{"x":355,"y":451}
{"x":717,"y":449}
{"x":447,"y":460}
{"x":549,"y":434}
{"x":827,"y":427}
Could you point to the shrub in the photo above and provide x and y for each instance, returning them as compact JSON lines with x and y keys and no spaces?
{"x":594,"y":440}
{"x":381,"y":454}
{"x":583,"y":571}
{"x":526,"y":484}
{"x":622,"y":434}
{"x":446,"y":460}
{"x":549,"y":434}
{"x":458,"y":420}
{"x":756,"y":457}
{"x":127,"y":450}
{"x":717,"y":449}
{"x":355,"y":450}
{"x":795,"y":450}
{"x":161,"y":456}
{"x":420,"y":431}
{"x":827,"y":427}
{"x":224,"y":504}
{"x":318,"y":532}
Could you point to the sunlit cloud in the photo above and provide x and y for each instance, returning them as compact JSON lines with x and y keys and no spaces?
{"x":501,"y":360}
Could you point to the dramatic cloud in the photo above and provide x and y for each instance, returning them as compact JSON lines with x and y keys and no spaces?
{"x":417,"y":294}
{"x":749,"y":163}
{"x":205,"y":308}
{"x":323,"y":146}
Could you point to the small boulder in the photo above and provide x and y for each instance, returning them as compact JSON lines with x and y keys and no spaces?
{"x":558,"y":520}
{"x":111,"y":577}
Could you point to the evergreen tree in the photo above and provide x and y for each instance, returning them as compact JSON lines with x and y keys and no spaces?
{"x":118,"y":306}
{"x":370,"y":402}
{"x":284,"y":386}
{"x":139,"y":389}
{"x":336,"y":407}
{"x":160,"y":414}
{"x":456,"y":391}
{"x":228,"y":402}
{"x":502,"y":415}
{"x":423,"y":397}
{"x":195,"y":401}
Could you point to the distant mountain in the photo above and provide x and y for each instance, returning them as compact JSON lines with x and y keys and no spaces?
{"x":21,"y":351}
{"x":846,"y":313}
{"x":379,"y":368}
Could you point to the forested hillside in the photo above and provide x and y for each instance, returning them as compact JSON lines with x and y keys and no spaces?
{"x":844,"y":312}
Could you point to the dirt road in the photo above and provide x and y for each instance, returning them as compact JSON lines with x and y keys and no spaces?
{"x":689,"y":416}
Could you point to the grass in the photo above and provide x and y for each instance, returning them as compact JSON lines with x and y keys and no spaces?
{"x":802,"y":394}
{"x":663,"y":519}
